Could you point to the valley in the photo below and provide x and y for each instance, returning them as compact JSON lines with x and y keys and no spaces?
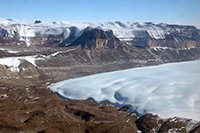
{"x":33,"y":56}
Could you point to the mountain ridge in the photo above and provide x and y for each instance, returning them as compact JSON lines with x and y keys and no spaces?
{"x":62,"y":33}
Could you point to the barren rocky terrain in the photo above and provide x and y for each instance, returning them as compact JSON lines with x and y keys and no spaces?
{"x":35,"y":109}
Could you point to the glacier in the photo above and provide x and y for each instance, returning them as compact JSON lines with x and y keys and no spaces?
{"x":169,"y":90}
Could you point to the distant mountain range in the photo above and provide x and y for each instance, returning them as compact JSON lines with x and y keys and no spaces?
{"x":61,"y":33}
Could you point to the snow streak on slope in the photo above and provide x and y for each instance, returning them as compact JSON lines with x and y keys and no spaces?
{"x":168,"y":90}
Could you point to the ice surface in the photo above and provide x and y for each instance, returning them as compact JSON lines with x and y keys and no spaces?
{"x":169,"y":89}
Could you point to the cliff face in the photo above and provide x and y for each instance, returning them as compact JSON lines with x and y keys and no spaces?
{"x":96,"y":38}
{"x":187,"y":37}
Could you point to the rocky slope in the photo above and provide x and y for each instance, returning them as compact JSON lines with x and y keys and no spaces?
{"x":150,"y":123}
{"x":34,"y":109}
{"x":31,"y":109}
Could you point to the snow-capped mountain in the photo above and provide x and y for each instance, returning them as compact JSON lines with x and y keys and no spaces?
{"x":167,"y":90}
{"x":143,"y":34}
{"x":123,"y":30}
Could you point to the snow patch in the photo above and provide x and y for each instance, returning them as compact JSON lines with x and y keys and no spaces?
{"x":10,"y":61}
{"x":54,"y":54}
{"x":14,"y":62}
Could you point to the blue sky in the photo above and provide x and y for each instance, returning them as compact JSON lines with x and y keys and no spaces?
{"x":136,"y":10}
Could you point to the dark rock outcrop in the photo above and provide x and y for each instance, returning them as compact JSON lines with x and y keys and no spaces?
{"x":96,"y":38}
{"x":37,"y":22}
{"x":84,"y":115}
{"x":150,"y":123}
{"x":125,"y":108}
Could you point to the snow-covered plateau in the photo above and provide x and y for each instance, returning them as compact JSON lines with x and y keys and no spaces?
{"x":124,"y":30}
{"x":168,"y":90}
